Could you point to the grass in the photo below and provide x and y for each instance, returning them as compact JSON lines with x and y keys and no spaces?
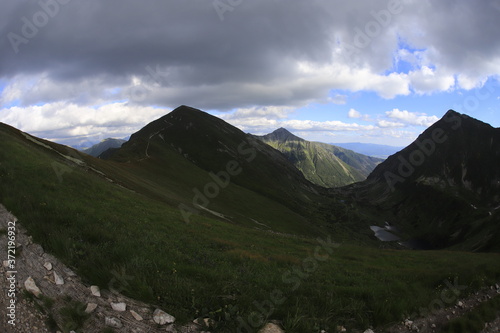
{"x":134,"y":242}
{"x":73,"y":316}
{"x":473,"y":321}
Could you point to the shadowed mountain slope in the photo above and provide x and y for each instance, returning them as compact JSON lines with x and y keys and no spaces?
{"x":444,"y":188}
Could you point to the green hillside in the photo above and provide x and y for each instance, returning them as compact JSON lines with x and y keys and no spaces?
{"x":323,"y":164}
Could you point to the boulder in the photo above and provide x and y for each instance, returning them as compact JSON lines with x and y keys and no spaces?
{"x":271,"y":328}
{"x":136,"y":315}
{"x":113,"y":322}
{"x":120,"y":307}
{"x":161,"y":317}
{"x":31,"y":287}
{"x":90,"y":307}
{"x":58,"y":280}
{"x":95,"y":291}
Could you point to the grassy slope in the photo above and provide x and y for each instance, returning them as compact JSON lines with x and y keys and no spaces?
{"x":324,"y":164}
{"x":211,"y":267}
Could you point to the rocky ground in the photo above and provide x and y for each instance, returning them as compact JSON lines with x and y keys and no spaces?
{"x":436,"y":319}
{"x":42,"y":289}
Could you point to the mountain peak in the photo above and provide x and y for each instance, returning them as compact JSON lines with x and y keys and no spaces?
{"x":282,"y":134}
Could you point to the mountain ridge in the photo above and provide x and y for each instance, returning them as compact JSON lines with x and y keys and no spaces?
{"x":321,"y":163}
{"x":452,"y":169}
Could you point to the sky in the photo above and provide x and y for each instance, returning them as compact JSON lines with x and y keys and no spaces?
{"x":79,"y":71}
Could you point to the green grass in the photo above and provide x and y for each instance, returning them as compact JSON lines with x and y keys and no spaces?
{"x":73,"y":316}
{"x":473,"y":321}
{"x":135,"y":243}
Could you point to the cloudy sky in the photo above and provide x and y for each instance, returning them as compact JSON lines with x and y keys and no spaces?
{"x":78,"y":71}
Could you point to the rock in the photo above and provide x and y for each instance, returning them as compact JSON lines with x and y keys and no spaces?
{"x":95,"y":291}
{"x":48,"y":266}
{"x":58,"y":280}
{"x":31,"y":287}
{"x":368,"y":331}
{"x":204,"y":322}
{"x":460,"y":304}
{"x":341,"y":329}
{"x":433,"y":326}
{"x":5,"y":263}
{"x":161,"y":317}
{"x":113,"y":322}
{"x":90,"y":307}
{"x":119,"y":306}
{"x":136,"y":315}
{"x":271,"y":328}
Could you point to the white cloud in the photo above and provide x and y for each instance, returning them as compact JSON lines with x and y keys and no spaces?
{"x":353,"y":114}
{"x":412,"y":118}
{"x":273,"y":112}
{"x":63,"y":121}
{"x":385,"y":123}
{"x":427,"y":80}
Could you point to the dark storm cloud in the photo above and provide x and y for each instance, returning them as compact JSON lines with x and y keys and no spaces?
{"x":122,"y":37}
{"x":181,"y":52}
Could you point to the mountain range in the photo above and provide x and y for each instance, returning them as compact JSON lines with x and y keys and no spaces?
{"x":206,"y":220}
{"x":104,"y":145}
{"x":323,"y":164}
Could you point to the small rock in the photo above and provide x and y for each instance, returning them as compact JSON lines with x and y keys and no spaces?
{"x":460,"y":304}
{"x":271,"y":328}
{"x":31,"y":286}
{"x":90,"y":307}
{"x":433,"y":326}
{"x":368,"y":331}
{"x":204,"y":322}
{"x":5,"y":263}
{"x":497,"y":286}
{"x":408,"y":323}
{"x":136,"y":315}
{"x":95,"y":291}
{"x":58,"y":280}
{"x":161,"y":317}
{"x":48,"y":266}
{"x":113,"y":322}
{"x":119,"y":306}
{"x":341,"y":329}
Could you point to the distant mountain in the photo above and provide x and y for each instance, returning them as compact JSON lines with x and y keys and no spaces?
{"x":370,"y":149}
{"x":104,"y":145}
{"x":323,"y":164}
{"x":444,"y":188}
